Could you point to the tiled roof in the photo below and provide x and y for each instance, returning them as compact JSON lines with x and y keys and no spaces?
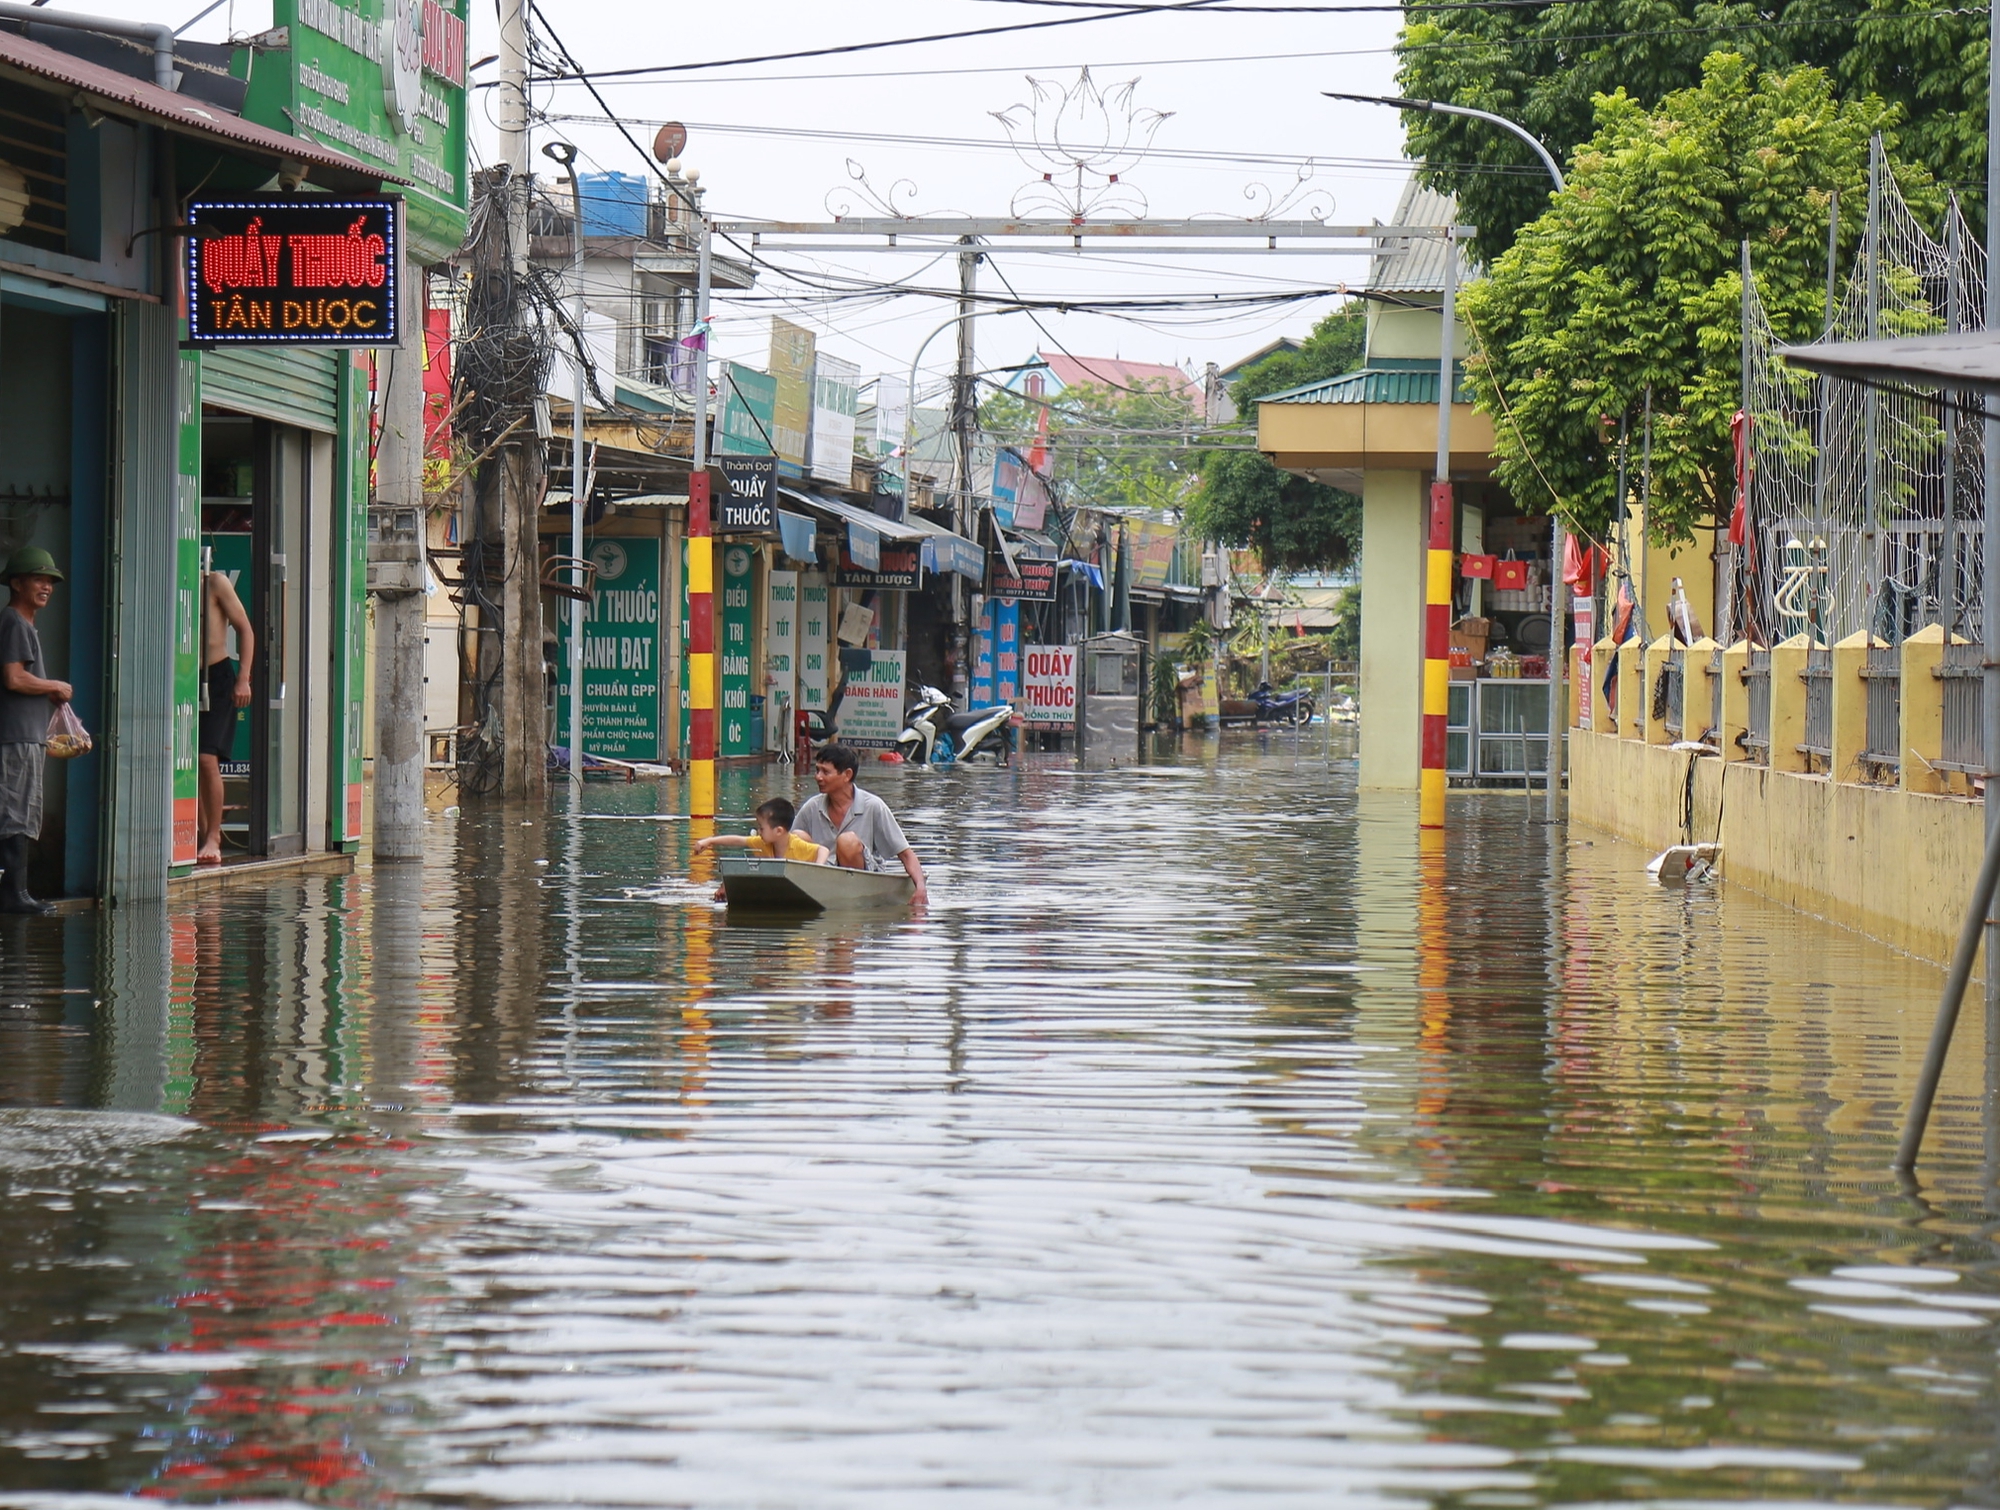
{"x":1387,"y":381}
{"x":1115,"y":372}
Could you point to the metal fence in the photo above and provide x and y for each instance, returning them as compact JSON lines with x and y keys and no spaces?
{"x":1882,"y":674}
{"x":1757,"y":721}
{"x":1963,"y":747}
{"x":1668,"y":689}
{"x":1818,"y":677}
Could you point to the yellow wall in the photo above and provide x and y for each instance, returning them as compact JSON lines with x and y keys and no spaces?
{"x":1392,"y":627}
{"x":1892,"y":864}
{"x":1307,"y":437}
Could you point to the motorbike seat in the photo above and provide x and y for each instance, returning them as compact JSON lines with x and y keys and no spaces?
{"x":958,"y":723}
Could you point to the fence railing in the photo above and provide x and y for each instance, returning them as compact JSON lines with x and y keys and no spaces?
{"x":1963,"y":747}
{"x":1757,"y":719}
{"x":1882,"y":740}
{"x":1818,"y":677}
{"x":1667,"y":691}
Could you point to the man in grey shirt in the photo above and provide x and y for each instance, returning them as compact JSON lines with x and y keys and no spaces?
{"x":26,"y":699}
{"x":856,"y":825}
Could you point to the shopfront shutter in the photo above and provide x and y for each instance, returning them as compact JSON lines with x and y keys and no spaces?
{"x":286,"y":384}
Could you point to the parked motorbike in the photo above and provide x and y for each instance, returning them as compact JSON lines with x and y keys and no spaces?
{"x":935,"y":735}
{"x":1282,"y":707}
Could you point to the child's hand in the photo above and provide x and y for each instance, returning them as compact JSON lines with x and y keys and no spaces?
{"x":702,"y":844}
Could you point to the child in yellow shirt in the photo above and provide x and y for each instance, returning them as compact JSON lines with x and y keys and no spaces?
{"x":774,"y":838}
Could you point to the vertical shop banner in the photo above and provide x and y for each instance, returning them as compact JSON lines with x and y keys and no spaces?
{"x":1006,"y":650}
{"x":749,"y":411}
{"x":815,"y":637}
{"x":621,"y":653}
{"x":187,"y":608}
{"x":1583,"y":615}
{"x":892,"y":414}
{"x":1048,"y":686}
{"x":739,"y":566}
{"x":979,"y":686}
{"x":871,"y":704}
{"x":836,"y":401}
{"x":792,"y":351}
{"x":384,"y":81}
{"x":781,"y":647}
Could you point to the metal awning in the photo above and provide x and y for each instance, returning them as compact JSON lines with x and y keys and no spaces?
{"x":121,"y":94}
{"x":948,"y":551}
{"x":1968,"y":361}
{"x":854,"y":517}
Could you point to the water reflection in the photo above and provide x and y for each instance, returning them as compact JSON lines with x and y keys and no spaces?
{"x":1211,"y":1138}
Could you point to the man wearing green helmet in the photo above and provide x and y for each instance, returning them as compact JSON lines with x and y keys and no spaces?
{"x":26,"y":696}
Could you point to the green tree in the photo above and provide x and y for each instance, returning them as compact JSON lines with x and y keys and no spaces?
{"x":1336,"y":345}
{"x":1544,"y":66}
{"x":1106,"y":449}
{"x":1293,"y":523}
{"x":1629,"y":281}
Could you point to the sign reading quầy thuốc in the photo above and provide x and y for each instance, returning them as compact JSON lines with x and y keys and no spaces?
{"x":621,"y":649}
{"x":293,"y":270}
{"x":1035,"y":583}
{"x":749,"y":503}
{"x":1048,"y":685}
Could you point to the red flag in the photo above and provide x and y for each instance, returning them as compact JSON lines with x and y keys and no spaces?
{"x":1739,"y":435}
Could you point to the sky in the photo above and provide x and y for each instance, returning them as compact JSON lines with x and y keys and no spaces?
{"x":1244,"y":113}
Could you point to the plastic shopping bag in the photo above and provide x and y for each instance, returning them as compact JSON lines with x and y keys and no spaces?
{"x":67,"y":736}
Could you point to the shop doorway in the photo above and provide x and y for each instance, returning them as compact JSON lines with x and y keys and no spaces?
{"x":256,"y":508}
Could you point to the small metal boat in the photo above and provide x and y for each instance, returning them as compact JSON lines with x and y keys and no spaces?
{"x":752,"y":881}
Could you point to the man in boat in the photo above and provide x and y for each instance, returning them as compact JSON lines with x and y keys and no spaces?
{"x":856,"y":825}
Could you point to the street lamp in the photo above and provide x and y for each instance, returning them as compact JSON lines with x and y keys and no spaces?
{"x":1439,"y":107}
{"x":1553,"y":764}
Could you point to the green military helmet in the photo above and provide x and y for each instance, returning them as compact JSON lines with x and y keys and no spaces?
{"x":31,"y":561}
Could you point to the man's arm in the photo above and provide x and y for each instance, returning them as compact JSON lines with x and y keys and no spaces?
{"x":246,"y":638}
{"x":16,"y":677}
{"x":915,"y":868}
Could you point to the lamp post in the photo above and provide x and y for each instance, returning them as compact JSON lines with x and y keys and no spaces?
{"x":565,"y":155}
{"x":1557,"y":666}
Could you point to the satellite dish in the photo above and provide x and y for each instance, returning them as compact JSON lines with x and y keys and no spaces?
{"x":669,"y":141}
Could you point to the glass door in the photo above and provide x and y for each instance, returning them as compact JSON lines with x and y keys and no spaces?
{"x":278,"y":535}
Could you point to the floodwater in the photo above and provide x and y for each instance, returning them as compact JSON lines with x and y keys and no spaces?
{"x":1206,"y":1143}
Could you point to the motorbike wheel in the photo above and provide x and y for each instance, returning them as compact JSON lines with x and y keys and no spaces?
{"x":944,"y":752}
{"x":1302,"y":711}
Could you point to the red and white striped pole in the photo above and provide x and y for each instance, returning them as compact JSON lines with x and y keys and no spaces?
{"x":1437,"y":569}
{"x":701,"y":650}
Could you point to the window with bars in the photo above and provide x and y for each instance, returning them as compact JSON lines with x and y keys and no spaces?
{"x":34,"y":141}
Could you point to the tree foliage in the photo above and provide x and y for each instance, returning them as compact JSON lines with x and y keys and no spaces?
{"x":1544,"y":66}
{"x":1336,"y":345}
{"x":1089,"y":464}
{"x":1629,"y":281}
{"x":1293,"y":523}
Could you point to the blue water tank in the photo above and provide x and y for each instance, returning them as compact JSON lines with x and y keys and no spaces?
{"x":614,"y":204}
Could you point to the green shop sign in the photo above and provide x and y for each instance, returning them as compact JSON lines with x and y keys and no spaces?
{"x":383,"y":81}
{"x":737,"y":565}
{"x":621,"y":654}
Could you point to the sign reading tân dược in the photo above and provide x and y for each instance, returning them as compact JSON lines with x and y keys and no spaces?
{"x":293,"y":270}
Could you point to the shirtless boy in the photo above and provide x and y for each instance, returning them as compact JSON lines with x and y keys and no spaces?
{"x":228,"y":690}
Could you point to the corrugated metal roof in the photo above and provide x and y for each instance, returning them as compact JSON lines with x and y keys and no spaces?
{"x":1415,"y":264}
{"x":1383,"y":382}
{"x":180,"y":113}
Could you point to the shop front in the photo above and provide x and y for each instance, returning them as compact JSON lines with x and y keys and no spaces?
{"x":104,"y":452}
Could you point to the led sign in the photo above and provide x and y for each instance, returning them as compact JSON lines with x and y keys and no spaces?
{"x":293,"y":270}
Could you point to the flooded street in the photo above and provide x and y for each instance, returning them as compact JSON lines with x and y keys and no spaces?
{"x":1205,"y":1143}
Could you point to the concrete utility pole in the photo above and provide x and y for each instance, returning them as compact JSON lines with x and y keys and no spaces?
{"x":519,"y":687}
{"x":565,"y":153}
{"x":964,"y":424}
{"x":396,"y":578}
{"x":704,"y":686}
